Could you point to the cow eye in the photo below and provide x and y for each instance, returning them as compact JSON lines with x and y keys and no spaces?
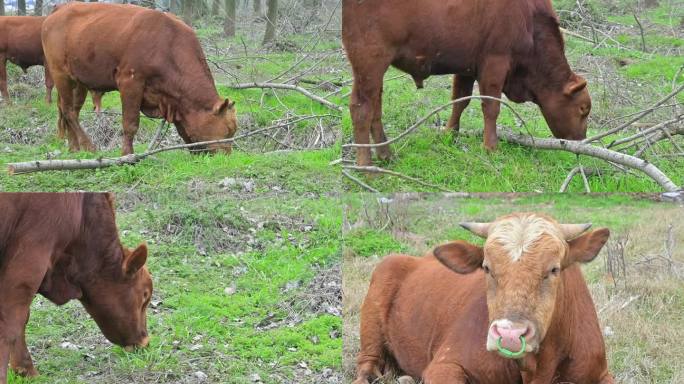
{"x":486,"y":269}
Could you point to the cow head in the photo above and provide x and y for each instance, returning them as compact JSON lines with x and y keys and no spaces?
{"x":216,"y":123}
{"x":566,"y":110}
{"x":523,"y":258}
{"x":117,"y":299}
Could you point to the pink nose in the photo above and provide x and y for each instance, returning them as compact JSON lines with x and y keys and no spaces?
{"x":510,"y":336}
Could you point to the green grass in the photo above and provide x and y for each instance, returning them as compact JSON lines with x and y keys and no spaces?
{"x":263,"y":225}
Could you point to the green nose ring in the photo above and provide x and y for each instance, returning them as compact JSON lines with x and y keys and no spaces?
{"x":511,"y":354}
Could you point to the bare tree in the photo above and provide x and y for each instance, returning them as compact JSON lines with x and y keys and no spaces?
{"x":229,"y":22}
{"x":216,"y":8}
{"x":21,"y":7}
{"x":271,"y":19}
{"x":38,"y":8}
{"x":187,"y":7}
{"x":2,"y":8}
{"x":257,"y":7}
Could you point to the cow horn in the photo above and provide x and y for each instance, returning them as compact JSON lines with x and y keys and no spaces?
{"x":480,"y":229}
{"x":570,"y":231}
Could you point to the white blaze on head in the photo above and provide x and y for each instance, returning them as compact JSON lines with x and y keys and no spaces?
{"x":517,"y":233}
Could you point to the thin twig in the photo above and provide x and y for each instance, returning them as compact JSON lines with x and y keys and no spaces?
{"x":373,"y":169}
{"x":290,"y":87}
{"x":359,"y":182}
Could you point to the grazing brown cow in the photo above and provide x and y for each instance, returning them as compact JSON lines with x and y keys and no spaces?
{"x":66,"y":246}
{"x":521,"y":296}
{"x":20,"y":44}
{"x":152,"y":58}
{"x":514,"y":46}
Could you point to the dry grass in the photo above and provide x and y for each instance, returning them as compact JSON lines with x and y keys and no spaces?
{"x":640,"y":310}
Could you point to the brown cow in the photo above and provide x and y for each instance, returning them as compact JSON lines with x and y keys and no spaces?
{"x":521,"y":296}
{"x":20,"y":44}
{"x":513,"y":46}
{"x":66,"y":246}
{"x":152,"y":58}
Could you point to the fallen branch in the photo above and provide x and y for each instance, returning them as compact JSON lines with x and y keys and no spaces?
{"x":104,"y":162}
{"x":359,"y":182}
{"x":635,"y":118}
{"x":582,"y":148}
{"x":290,"y":87}
{"x":577,"y":35}
{"x":373,"y":169}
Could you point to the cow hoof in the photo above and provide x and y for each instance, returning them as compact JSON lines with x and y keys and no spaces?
{"x":383,"y":153}
{"x":406,"y":380}
{"x":25,"y":372}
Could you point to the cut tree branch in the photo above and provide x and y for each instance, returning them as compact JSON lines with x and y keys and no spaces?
{"x":290,"y":87}
{"x":582,"y":148}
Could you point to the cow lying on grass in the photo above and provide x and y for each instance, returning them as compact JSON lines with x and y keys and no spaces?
{"x":516,"y":310}
{"x":20,"y":44}
{"x":514,"y":47}
{"x":66,"y":246}
{"x":153,"y":59}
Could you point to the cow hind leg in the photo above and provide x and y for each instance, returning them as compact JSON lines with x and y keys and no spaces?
{"x":491,"y":81}
{"x":365,"y":98}
{"x":131,"y":90}
{"x":462,"y":87}
{"x":378,"y":131}
{"x":97,"y":101}
{"x":3,"y":79}
{"x":68,"y":115}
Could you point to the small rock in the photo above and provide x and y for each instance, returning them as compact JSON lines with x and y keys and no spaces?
{"x":248,"y":186}
{"x":230,"y":290}
{"x":406,"y":380}
{"x":201,"y":376}
{"x":255,"y":378}
{"x":608,"y":331}
{"x":195,"y":347}
{"x":227,"y":182}
{"x":69,"y":346}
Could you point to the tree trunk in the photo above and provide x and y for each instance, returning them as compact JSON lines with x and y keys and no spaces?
{"x":2,"y":8}
{"x":37,"y":8}
{"x":257,"y":7}
{"x":271,"y":19}
{"x":187,"y":11}
{"x":21,"y":7}
{"x":216,"y":8}
{"x":229,"y":23}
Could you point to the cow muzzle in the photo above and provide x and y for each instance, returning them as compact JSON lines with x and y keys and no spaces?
{"x":511,"y":339}
{"x":142,"y":344}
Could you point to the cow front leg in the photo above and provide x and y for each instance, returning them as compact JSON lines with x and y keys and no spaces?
{"x":131,"y":90}
{"x":444,"y":373}
{"x":462,"y":87}
{"x":20,"y":357}
{"x":491,"y":81}
{"x":3,"y":79}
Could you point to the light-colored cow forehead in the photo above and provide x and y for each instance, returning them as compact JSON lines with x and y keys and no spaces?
{"x":517,"y":233}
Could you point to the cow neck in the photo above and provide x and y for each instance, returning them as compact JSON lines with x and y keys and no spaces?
{"x":194,"y":88}
{"x":547,"y":69}
{"x":101,"y":247}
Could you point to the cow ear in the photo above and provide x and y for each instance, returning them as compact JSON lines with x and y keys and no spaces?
{"x":135,"y":260}
{"x":586,"y":247}
{"x":222,"y":106}
{"x":460,"y":256}
{"x":576,"y":84}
